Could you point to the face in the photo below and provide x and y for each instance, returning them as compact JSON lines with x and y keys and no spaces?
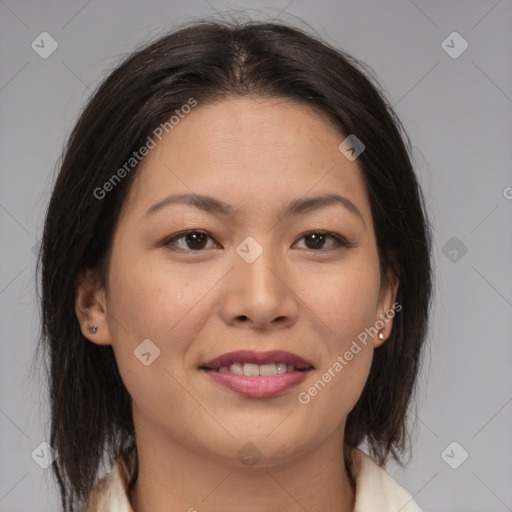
{"x":246,"y":270}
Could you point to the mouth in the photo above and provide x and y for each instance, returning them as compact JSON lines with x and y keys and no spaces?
{"x":251,"y":363}
{"x":258,"y":374}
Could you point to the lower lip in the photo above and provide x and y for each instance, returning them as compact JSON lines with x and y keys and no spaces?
{"x":258,"y":386}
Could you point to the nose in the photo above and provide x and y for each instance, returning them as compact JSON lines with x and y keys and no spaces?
{"x":260,"y":295}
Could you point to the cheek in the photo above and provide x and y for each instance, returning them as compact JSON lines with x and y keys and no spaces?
{"x":150,"y":299}
{"x":344,"y":298}
{"x":153,"y":301}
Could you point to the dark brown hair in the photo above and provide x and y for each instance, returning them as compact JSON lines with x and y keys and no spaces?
{"x":209,"y":60}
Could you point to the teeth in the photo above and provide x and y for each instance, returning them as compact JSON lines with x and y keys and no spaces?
{"x":251,"y":369}
{"x":237,"y":368}
{"x":281,"y":368}
{"x":268,"y":369}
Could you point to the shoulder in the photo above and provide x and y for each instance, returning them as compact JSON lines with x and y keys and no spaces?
{"x":376,"y":490}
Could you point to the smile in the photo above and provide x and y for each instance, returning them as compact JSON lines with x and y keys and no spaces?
{"x":258,"y":374}
{"x":259,"y":386}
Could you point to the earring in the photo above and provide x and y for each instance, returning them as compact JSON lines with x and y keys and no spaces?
{"x":92,"y":328}
{"x":381,"y":335}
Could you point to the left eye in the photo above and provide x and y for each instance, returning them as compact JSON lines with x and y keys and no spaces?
{"x":195,"y":240}
{"x":317,"y":239}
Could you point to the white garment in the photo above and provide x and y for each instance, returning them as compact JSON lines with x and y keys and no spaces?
{"x":376,"y":491}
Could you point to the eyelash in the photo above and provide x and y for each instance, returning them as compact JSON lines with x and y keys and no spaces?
{"x":339,"y":240}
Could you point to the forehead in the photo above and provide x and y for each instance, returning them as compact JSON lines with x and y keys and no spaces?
{"x":249,"y":152}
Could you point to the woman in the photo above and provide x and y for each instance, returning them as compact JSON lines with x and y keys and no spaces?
{"x":236,"y":281}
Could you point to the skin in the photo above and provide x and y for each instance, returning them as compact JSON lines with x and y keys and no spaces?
{"x":257,"y":155}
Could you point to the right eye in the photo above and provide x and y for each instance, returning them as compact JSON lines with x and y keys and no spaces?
{"x":192,"y":241}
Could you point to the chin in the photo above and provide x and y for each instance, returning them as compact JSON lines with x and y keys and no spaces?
{"x":261,"y":451}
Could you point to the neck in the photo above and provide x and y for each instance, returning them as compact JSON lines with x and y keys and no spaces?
{"x":173,"y":478}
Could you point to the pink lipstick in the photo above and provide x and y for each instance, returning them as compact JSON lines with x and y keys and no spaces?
{"x":258,"y":374}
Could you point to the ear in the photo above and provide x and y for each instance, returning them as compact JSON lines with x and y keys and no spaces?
{"x":91,"y":307}
{"x":386,"y":309}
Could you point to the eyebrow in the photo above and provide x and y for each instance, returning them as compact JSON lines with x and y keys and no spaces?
{"x":296,"y":207}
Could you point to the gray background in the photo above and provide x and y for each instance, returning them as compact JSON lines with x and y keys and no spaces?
{"x":457,"y":112}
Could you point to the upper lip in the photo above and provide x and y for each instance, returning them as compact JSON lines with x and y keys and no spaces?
{"x":255,"y":357}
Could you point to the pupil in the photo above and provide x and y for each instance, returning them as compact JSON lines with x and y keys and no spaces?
{"x":317,"y":240}
{"x":194,"y":238}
